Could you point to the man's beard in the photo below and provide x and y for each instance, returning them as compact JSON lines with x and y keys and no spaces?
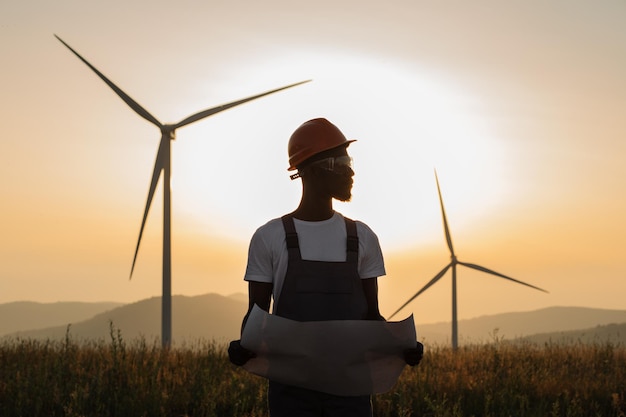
{"x":344,"y":197}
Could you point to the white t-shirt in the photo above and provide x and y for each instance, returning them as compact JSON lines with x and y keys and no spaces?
{"x":319,"y":241}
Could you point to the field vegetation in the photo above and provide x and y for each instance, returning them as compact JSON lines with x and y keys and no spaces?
{"x":116,"y":378}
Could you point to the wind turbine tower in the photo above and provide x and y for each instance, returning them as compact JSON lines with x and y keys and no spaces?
{"x":452,"y":265}
{"x":163,"y":165}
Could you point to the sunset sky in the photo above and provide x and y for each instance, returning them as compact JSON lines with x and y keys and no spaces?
{"x":518,"y":105}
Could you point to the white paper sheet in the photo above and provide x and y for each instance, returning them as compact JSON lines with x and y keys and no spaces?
{"x":342,"y":357}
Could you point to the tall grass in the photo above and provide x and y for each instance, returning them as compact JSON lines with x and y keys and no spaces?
{"x":113,"y":378}
{"x":503,"y":379}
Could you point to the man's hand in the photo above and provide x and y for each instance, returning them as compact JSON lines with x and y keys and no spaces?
{"x":238,"y":354}
{"x":413,"y":356}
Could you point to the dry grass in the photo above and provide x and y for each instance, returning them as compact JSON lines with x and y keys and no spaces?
{"x":497,"y":379}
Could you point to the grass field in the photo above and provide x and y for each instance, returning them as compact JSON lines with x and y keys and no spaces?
{"x":116,"y":378}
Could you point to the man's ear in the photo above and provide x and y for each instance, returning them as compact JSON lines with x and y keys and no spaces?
{"x":308,"y":171}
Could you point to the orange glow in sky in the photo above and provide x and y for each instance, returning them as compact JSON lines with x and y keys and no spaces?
{"x":517,"y":105}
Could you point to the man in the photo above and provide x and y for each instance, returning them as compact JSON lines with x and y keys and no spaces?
{"x":316,"y":264}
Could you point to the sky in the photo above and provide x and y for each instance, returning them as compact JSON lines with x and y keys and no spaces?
{"x":517,"y":105}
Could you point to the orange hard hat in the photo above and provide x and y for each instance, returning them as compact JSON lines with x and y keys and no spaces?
{"x":313,"y":137}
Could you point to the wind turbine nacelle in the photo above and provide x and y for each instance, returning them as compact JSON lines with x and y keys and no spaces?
{"x":169,"y":131}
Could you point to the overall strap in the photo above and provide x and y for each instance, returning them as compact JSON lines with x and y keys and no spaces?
{"x":352,"y":244}
{"x":293,"y":246}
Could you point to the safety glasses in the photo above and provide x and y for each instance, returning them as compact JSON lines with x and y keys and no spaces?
{"x":334,"y":163}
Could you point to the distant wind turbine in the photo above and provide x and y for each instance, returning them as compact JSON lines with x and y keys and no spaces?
{"x":162,"y":164}
{"x":453,"y":263}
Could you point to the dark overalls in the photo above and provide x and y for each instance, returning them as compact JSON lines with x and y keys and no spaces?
{"x":314,"y":291}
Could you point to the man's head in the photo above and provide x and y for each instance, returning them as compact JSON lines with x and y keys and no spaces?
{"x":312,"y":138}
{"x":318,"y":150}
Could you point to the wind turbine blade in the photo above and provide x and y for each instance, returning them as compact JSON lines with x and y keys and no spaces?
{"x":132,"y":103}
{"x":214,"y":110}
{"x":445,"y":219}
{"x":156,"y":173}
{"x":489,"y":271}
{"x":424,"y":288}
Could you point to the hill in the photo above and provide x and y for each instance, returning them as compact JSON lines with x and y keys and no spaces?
{"x":213,"y":316}
{"x":28,"y":315}
{"x":209,"y":316}
{"x":611,"y":333}
{"x":520,"y":324}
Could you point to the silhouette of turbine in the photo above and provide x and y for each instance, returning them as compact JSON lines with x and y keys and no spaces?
{"x":163,"y":164}
{"x":453,"y":263}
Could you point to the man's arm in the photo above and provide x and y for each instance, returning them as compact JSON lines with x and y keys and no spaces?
{"x":412,"y":356}
{"x":259,"y":293}
{"x":370,"y":288}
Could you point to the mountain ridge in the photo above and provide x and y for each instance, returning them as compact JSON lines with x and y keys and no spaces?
{"x":218,"y":318}
{"x":515,"y":325}
{"x":142,"y":319}
{"x":30,"y":315}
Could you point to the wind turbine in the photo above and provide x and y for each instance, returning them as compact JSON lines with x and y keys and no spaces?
{"x":163,"y":164}
{"x":453,"y":263}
